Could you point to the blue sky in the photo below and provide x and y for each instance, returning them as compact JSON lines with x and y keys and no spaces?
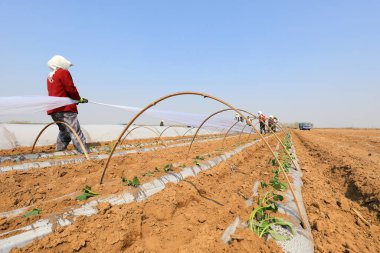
{"x":315,"y":61}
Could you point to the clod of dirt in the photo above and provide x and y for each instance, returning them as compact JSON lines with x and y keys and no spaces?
{"x":317,"y":225}
{"x":4,"y":224}
{"x":344,"y":204}
{"x":201,"y":218}
{"x":104,"y":207}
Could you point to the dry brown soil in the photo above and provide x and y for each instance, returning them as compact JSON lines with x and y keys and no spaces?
{"x":341,"y":173}
{"x":341,"y":194}
{"x":53,"y":189}
{"x":189,"y":216}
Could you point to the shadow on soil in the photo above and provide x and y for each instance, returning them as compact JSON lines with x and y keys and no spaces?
{"x":353,"y":192}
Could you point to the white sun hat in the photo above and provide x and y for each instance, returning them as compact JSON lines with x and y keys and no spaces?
{"x":58,"y":62}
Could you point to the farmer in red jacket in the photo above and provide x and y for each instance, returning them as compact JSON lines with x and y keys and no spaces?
{"x":60,"y":84}
{"x":262,"y":120}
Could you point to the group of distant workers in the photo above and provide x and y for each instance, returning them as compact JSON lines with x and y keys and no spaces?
{"x":271,"y":122}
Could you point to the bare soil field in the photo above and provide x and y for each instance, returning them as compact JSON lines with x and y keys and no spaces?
{"x":341,"y":195}
{"x":186,"y":217}
{"x":53,"y":189}
{"x":341,"y":181}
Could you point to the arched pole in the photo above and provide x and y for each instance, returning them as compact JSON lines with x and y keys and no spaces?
{"x":188,"y":131}
{"x":163,"y":131}
{"x":252,"y":131}
{"x":242,"y":131}
{"x":71,"y":129}
{"x":200,"y":126}
{"x":225,"y":136}
{"x":209,"y":117}
{"x":255,"y":117}
{"x":150,"y":129}
{"x":229,"y":129}
{"x":248,"y":121}
{"x":278,"y":139}
{"x":282,"y":144}
{"x":283,"y":128}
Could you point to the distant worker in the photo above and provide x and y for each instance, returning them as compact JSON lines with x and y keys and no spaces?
{"x":262,"y":120}
{"x":162,"y":123}
{"x":238,"y":117}
{"x":275,"y":122}
{"x":271,"y":123}
{"x":60,"y":84}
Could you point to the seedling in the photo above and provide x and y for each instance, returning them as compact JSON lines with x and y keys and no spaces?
{"x":274,"y":162}
{"x":147,"y":174}
{"x":135,"y":182}
{"x":277,"y":185}
{"x":139,"y":145}
{"x":260,"y":220}
{"x":199,"y":157}
{"x":33,"y":212}
{"x":168,"y":167}
{"x":87,"y":193}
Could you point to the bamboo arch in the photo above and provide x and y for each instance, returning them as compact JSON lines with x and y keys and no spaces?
{"x":150,"y":129}
{"x":71,"y":129}
{"x":248,"y":121}
{"x":241,"y":132}
{"x":188,"y":131}
{"x":255,"y":117}
{"x":163,"y":131}
{"x":225,"y":136}
{"x":204,"y":122}
{"x":229,"y":129}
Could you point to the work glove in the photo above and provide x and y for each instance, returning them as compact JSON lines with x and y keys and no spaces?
{"x":83,"y":100}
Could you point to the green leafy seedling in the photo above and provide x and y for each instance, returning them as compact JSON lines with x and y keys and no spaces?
{"x":135,"y":182}
{"x":199,"y":157}
{"x":33,"y":212}
{"x":147,"y":174}
{"x":277,"y":185}
{"x":168,"y":167}
{"x":263,"y":184}
{"x":87,"y":193}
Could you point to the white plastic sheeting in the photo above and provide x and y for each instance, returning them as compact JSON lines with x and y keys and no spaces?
{"x":23,"y":135}
{"x":19,"y":104}
{"x":34,"y":104}
{"x":189,"y":119}
{"x":15,"y":135}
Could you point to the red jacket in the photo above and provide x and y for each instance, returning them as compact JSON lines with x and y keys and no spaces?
{"x":262,"y":118}
{"x":62,"y":85}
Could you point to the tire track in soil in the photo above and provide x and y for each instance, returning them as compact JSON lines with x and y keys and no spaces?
{"x":181,"y":218}
{"x":328,"y":199}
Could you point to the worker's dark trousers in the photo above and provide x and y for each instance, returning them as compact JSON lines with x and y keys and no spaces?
{"x":65,"y":134}
{"x":262,"y":128}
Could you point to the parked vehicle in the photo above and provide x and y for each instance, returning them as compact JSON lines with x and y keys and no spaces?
{"x":305,"y":126}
